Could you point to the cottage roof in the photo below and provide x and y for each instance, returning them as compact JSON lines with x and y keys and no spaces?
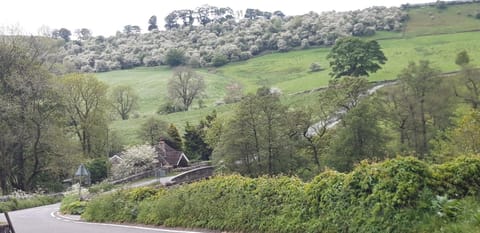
{"x":169,"y":155}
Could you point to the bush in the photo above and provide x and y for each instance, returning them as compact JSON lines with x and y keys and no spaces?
{"x":29,"y":202}
{"x":458,"y":178}
{"x":393,"y":196}
{"x":120,"y":206}
{"x":98,"y":169}
{"x":219,"y":60}
{"x":101,"y":187}
{"x":314,"y":67}
{"x":175,"y":57}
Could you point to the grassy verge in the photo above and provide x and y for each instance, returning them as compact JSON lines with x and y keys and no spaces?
{"x":34,"y":201}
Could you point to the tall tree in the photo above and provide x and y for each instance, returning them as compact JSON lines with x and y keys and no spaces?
{"x":152,"y":23}
{"x":62,"y":33}
{"x":185,"y":86}
{"x":470,"y":93}
{"x":153,"y":130}
{"x":124,"y":100}
{"x":416,"y":109}
{"x":30,"y":113}
{"x":259,"y":139}
{"x":83,"y":33}
{"x":195,"y":138}
{"x":352,"y":56}
{"x":85,"y":100}
{"x":174,"y":137}
{"x":359,"y":138}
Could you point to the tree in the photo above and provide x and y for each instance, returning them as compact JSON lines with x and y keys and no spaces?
{"x":30,"y":115}
{"x":416,"y":109}
{"x":124,"y":100}
{"x":360,"y":138}
{"x":470,"y":77}
{"x":462,"y":58}
{"x":195,"y":138}
{"x":175,"y":57}
{"x":83,"y":34}
{"x":152,"y":23}
{"x":153,"y":130}
{"x":352,"y":56}
{"x":175,"y":140}
{"x":64,"y":34}
{"x":259,"y":139}
{"x":135,"y":159}
{"x":86,"y":104}
{"x":185,"y":86}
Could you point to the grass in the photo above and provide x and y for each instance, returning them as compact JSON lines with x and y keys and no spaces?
{"x":453,"y":19}
{"x":290,"y":71}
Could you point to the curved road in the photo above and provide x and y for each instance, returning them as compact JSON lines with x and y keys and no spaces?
{"x":45,"y":219}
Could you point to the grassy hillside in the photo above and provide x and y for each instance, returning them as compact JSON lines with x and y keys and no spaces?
{"x":431,"y":20}
{"x":290,"y":71}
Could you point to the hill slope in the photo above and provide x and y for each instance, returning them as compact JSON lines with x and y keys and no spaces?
{"x":290,"y":71}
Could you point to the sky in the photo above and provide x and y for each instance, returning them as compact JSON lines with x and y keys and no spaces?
{"x":105,"y":17}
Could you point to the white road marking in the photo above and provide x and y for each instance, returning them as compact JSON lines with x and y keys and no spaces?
{"x":71,"y":220}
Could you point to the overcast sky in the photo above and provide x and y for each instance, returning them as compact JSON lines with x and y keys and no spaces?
{"x":105,"y":17}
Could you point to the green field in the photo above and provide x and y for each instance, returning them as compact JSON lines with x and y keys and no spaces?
{"x":290,"y":71}
{"x":453,"y":19}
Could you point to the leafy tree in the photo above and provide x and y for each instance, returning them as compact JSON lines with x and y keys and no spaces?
{"x":83,"y":34}
{"x":124,"y":100}
{"x":415,"y":108}
{"x":259,"y":139}
{"x":152,"y":23}
{"x":86,"y":105}
{"x":175,"y":140}
{"x":345,"y":93}
{"x":175,"y":57}
{"x":462,"y":58}
{"x":153,"y":130}
{"x":219,"y":59}
{"x":171,"y":21}
{"x":352,"y":56}
{"x":470,"y":93}
{"x":64,"y":34}
{"x":30,"y":115}
{"x":360,"y":138}
{"x":195,"y":138}
{"x":185,"y":86}
{"x":98,"y":169}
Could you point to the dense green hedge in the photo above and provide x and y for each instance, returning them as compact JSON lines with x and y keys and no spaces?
{"x":397,"y":195}
{"x":34,"y":201}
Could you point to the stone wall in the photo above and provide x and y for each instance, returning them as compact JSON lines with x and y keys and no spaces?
{"x":192,"y":175}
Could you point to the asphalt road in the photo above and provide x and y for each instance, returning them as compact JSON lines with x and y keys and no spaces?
{"x":45,"y":219}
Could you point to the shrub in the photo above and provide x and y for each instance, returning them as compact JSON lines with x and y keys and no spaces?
{"x":98,"y":169}
{"x":27,"y":202}
{"x":120,"y":206}
{"x":458,"y":178}
{"x":175,"y":57}
{"x":314,"y":67}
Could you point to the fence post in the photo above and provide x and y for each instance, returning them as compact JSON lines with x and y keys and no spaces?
{"x":10,"y":225}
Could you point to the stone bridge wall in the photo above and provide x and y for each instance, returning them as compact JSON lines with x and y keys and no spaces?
{"x":192,"y":175}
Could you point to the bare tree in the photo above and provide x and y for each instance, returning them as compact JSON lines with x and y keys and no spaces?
{"x":124,"y":100}
{"x":185,"y":86}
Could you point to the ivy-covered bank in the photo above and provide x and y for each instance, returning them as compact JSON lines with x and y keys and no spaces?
{"x":398,"y":195}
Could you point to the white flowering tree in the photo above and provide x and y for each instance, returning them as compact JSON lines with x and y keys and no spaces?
{"x":135,"y":159}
